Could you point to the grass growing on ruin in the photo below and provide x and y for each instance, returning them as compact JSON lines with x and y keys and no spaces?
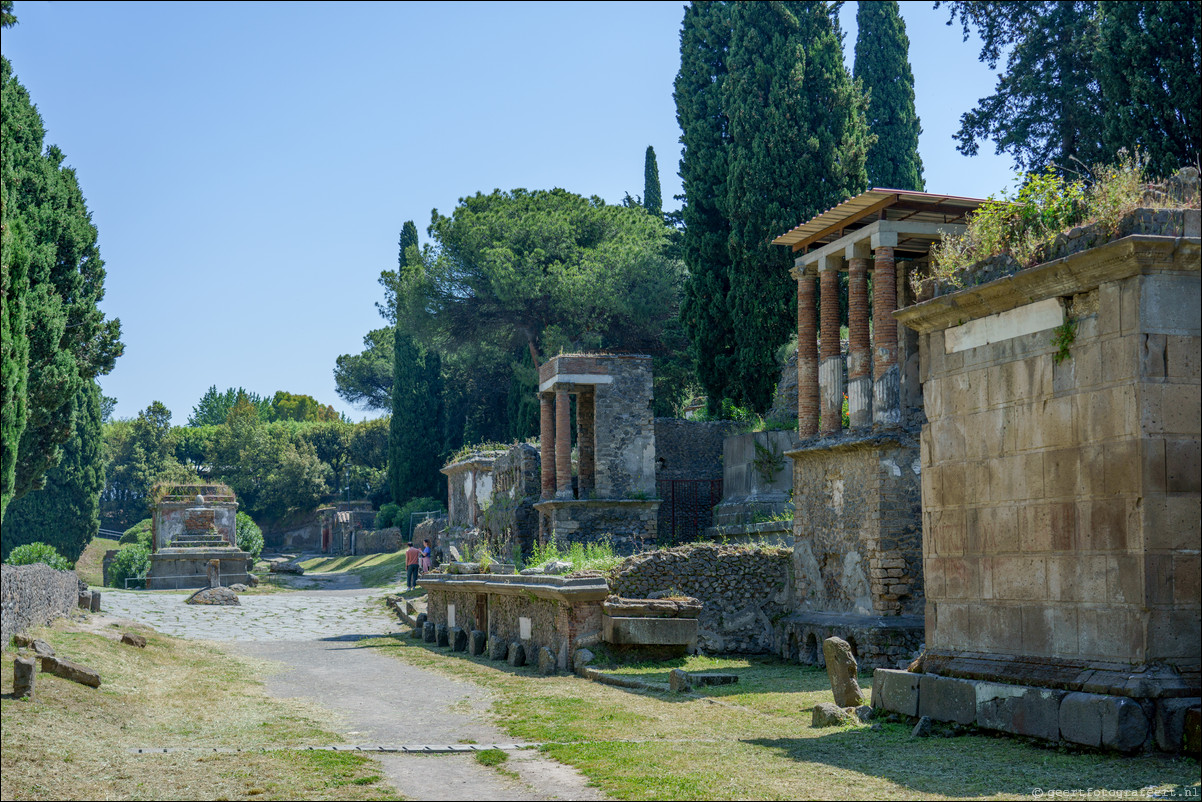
{"x":90,"y":565}
{"x":373,"y":570}
{"x":753,"y":740}
{"x":73,"y":741}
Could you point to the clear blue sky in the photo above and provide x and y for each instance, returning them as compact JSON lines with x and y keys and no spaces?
{"x":249,"y":166}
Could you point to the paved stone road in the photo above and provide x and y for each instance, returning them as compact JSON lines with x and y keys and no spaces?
{"x":376,"y":699}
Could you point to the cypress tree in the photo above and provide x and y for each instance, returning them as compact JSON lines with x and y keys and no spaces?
{"x":883,"y":65}
{"x":652,"y":199}
{"x":798,"y":144}
{"x":66,"y":512}
{"x":704,"y":135}
{"x":413,"y":454}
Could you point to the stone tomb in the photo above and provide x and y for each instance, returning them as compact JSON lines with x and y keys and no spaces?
{"x":191,"y":529}
{"x":613,"y":491}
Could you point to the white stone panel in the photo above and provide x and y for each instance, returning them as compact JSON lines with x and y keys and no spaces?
{"x":1006,"y":325}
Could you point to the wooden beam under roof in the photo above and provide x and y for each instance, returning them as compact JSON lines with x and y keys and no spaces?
{"x":845,"y":222}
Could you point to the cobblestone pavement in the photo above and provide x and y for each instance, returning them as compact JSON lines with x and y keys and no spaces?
{"x":300,"y":615}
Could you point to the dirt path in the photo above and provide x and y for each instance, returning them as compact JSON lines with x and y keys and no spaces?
{"x":380,"y":700}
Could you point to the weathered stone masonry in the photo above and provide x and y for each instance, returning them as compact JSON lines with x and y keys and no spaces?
{"x":33,"y":595}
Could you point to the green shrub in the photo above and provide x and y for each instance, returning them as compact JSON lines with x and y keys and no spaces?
{"x":132,"y":561}
{"x":386,"y":517}
{"x":423,"y":504}
{"x":141,"y":532}
{"x":31,"y":553}
{"x":248,"y":535}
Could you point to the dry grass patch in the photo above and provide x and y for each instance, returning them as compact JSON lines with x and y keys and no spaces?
{"x":73,"y":742}
{"x":753,"y":740}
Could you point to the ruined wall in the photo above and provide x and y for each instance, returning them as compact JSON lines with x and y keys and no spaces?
{"x":743,"y":590}
{"x":756,"y":477}
{"x":1062,"y":498}
{"x":511,"y":515}
{"x":379,"y":541}
{"x":688,"y":449}
{"x":33,"y":595}
{"x":857,"y":532}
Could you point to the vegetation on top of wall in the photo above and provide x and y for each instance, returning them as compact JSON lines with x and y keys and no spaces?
{"x":478,"y":449}
{"x":1021,"y":229}
{"x":31,"y":553}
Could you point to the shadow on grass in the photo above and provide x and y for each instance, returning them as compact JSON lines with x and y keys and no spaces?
{"x":980,"y":764}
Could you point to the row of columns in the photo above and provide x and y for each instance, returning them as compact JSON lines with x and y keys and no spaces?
{"x":873,"y":376}
{"x":556,"y":441}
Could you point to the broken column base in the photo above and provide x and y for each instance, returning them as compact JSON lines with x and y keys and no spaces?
{"x":1105,"y":721}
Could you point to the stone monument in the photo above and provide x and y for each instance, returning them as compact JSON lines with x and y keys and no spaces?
{"x":193,"y":526}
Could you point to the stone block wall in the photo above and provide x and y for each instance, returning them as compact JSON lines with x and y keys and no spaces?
{"x":1061,"y":497}
{"x":757,"y":478}
{"x":511,"y":515}
{"x":744,"y":590}
{"x":33,"y":595}
{"x":169,"y":520}
{"x":689,"y":449}
{"x":469,"y":488}
{"x":857,"y":534}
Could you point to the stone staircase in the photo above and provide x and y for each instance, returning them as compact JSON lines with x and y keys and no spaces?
{"x":202,"y":540}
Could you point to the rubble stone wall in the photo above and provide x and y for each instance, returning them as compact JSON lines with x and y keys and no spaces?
{"x":33,"y":595}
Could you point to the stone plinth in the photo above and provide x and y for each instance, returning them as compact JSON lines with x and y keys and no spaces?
{"x":1060,"y":472}
{"x":187,"y":568}
{"x":756,"y":478}
{"x":629,"y":524}
{"x":469,"y":488}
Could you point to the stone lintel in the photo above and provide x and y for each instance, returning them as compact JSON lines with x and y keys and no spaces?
{"x":898,"y":228}
{"x":585,"y":589}
{"x":566,"y":382}
{"x":851,"y":442}
{"x":1138,"y":254}
{"x":831,"y":261}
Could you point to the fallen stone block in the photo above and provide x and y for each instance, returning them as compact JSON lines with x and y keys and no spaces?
{"x":829,"y":714}
{"x":895,"y":691}
{"x":40,"y":647}
{"x":72,"y":671}
{"x":498,"y":648}
{"x":133,"y":639}
{"x":252,"y":580}
{"x":429,"y":632}
{"x":441,"y":635}
{"x":287,"y":568}
{"x":580,"y":659}
{"x":841,"y":669}
{"x":947,"y":699}
{"x":95,"y":601}
{"x":557,"y":568}
{"x":1170,"y":722}
{"x":865,"y":713}
{"x":678,"y":681}
{"x":23,"y":677}
{"x":923,"y":728}
{"x":1033,"y":712}
{"x":214,"y":596}
{"x":517,"y":654}
{"x":1109,"y":722}
{"x":477,"y":643}
{"x":546,"y":662}
{"x":713,"y":679}
{"x":85,"y":600}
{"x":238,"y":587}
{"x":458,"y":639}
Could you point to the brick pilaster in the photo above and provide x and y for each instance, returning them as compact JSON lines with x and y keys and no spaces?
{"x":807,"y":358}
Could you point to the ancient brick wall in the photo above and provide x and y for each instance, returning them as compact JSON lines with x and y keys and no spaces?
{"x":33,"y":595}
{"x":744,"y":590}
{"x":1061,"y":495}
{"x":857,"y":537}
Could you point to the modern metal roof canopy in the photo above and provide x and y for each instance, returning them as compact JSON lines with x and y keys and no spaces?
{"x":917,"y":218}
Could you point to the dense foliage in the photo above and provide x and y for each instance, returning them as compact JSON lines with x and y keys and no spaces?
{"x":883,"y":66}
{"x":132,"y":562}
{"x":774,"y":131}
{"x":248,"y":535}
{"x":414,"y":449}
{"x":1084,"y":79}
{"x":66,"y":512}
{"x":139,"y":452}
{"x":214,"y":407}
{"x":365,"y":379}
{"x":30,"y":553}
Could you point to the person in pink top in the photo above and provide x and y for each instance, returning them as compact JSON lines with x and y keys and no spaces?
{"x":412,"y":555}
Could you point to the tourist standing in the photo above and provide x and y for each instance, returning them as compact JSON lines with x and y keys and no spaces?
{"x":424,"y":562}
{"x":412,"y":555}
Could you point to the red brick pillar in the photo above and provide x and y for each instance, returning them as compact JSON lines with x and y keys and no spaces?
{"x":585,"y":444}
{"x":886,"y":389}
{"x":546,"y":421}
{"x":807,"y":357}
{"x":830,"y":366}
{"x":859,"y":349}
{"x":563,"y":445}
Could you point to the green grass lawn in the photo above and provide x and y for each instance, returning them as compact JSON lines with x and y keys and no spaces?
{"x":753,"y":740}
{"x":90,"y":565}
{"x":373,"y":570}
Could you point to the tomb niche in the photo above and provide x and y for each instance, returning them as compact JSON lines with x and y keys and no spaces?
{"x":609,"y":489}
{"x":194,"y":524}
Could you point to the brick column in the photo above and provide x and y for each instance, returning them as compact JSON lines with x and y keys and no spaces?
{"x":546,"y":442}
{"x":885,"y":386}
{"x":563,"y":446}
{"x":585,"y":427}
{"x":859,"y":350}
{"x":807,"y":357}
{"x":830,"y":366}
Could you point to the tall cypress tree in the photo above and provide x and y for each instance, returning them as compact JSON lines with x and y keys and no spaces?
{"x":705,"y":136}
{"x":798,"y":144}
{"x":66,"y":512}
{"x":653,"y":201}
{"x":883,"y":65}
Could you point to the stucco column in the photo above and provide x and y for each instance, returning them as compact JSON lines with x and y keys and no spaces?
{"x":886,"y":387}
{"x":859,"y":350}
{"x":830,"y":366}
{"x":563,"y":445}
{"x":585,"y":427}
{"x":546,"y":421}
{"x":807,"y":357}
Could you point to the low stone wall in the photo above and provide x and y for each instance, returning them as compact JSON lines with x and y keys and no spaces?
{"x":744,"y":590}
{"x":33,"y":595}
{"x":382,"y":541}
